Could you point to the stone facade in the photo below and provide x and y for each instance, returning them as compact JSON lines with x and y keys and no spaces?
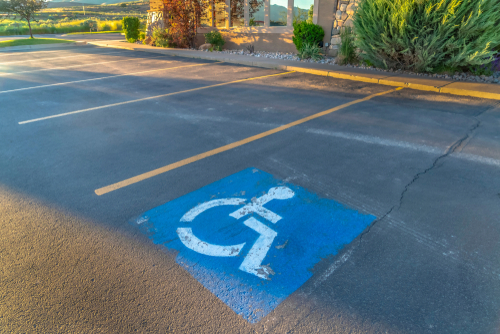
{"x":155,"y":20}
{"x":343,"y":18}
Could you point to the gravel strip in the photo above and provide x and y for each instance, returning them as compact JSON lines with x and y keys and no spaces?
{"x":495,"y":78}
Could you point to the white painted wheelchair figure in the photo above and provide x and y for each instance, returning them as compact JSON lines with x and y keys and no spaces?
{"x":252,"y":263}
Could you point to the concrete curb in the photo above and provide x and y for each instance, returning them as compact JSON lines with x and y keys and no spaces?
{"x":461,"y":88}
{"x":41,"y":46}
{"x":111,"y":46}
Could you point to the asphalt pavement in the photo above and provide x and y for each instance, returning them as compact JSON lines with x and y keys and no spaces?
{"x":108,"y":156}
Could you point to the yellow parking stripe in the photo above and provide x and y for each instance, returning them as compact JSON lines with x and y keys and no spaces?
{"x":161,"y":170}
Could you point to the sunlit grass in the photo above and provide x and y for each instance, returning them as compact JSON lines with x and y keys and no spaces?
{"x":94,"y":32}
{"x":32,"y":41}
{"x":49,"y":26}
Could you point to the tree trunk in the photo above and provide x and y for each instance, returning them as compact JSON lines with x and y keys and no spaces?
{"x":29,"y":24}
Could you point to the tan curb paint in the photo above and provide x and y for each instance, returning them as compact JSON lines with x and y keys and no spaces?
{"x":388,"y":82}
{"x":352,"y":77}
{"x":161,"y":170}
{"x":424,"y":87}
{"x":474,"y":93}
{"x":309,"y":70}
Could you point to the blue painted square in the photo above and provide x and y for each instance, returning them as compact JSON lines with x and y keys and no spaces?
{"x":252,"y":255}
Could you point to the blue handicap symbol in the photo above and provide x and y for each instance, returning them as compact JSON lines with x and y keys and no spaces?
{"x":251,"y":239}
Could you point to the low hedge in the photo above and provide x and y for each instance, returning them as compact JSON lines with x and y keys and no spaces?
{"x":305,"y":32}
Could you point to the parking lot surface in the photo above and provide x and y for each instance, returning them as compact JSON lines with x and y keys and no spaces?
{"x":124,"y":175}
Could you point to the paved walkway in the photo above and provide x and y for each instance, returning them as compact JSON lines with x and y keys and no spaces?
{"x":483,"y":90}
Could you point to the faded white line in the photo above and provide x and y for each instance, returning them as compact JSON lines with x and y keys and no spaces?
{"x":25,"y":53}
{"x":334,"y":266}
{"x":86,"y":80}
{"x":65,"y":57}
{"x":74,"y":66}
{"x":477,"y":158}
{"x":406,"y":145}
{"x":378,"y":141}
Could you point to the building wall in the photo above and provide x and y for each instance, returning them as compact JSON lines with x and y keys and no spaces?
{"x":326,"y":15}
{"x":271,"y":39}
{"x":272,"y":42}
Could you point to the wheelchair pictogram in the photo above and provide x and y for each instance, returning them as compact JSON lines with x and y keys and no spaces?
{"x":252,"y":262}
{"x":254,"y":251}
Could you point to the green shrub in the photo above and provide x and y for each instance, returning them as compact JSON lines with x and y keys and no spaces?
{"x":424,"y":35}
{"x":305,"y":32}
{"x":131,"y":28}
{"x":142,"y":35}
{"x":347,"y":48}
{"x":162,"y":38}
{"x":310,"y":50}
{"x":215,"y":38}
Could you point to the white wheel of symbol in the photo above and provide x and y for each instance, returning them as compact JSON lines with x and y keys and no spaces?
{"x":252,"y":263}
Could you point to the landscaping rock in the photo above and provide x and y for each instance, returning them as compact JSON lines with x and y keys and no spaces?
{"x":148,"y":40}
{"x":340,"y":24}
{"x":338,"y":15}
{"x":335,"y":31}
{"x":336,"y":40}
{"x":343,"y":7}
{"x":350,"y":9}
{"x":344,"y":16}
{"x":333,"y":51}
{"x":205,"y":46}
{"x":335,"y":24}
{"x":349,"y":23}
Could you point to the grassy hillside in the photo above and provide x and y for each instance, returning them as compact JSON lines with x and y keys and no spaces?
{"x":75,"y":19}
{"x":93,"y":2}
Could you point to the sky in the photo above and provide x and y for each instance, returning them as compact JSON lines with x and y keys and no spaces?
{"x":304,"y":4}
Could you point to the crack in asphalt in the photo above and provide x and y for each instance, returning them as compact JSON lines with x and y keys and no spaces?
{"x":451,"y":149}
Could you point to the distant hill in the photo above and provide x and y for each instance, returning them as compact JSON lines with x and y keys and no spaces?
{"x":276,"y":13}
{"x":55,"y":4}
{"x":52,"y":4}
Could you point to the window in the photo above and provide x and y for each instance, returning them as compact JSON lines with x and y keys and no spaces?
{"x":237,"y":13}
{"x":216,"y":13}
{"x":257,"y":13}
{"x":206,"y":16}
{"x":220,"y":13}
{"x":303,"y":10}
{"x":278,"y":12}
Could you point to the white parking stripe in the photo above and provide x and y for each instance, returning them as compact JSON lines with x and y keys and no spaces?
{"x":409,"y":146}
{"x":43,"y":59}
{"x":85,"y":80}
{"x":25,"y":53}
{"x":74,"y":66}
{"x":153,"y":97}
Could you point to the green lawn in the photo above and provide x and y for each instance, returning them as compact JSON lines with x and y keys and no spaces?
{"x":34,"y":41}
{"x":95,"y":32}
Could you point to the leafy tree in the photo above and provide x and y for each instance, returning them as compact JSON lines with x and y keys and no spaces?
{"x":310,"y":14}
{"x":299,"y":15}
{"x":184,"y":18}
{"x":25,"y":9}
